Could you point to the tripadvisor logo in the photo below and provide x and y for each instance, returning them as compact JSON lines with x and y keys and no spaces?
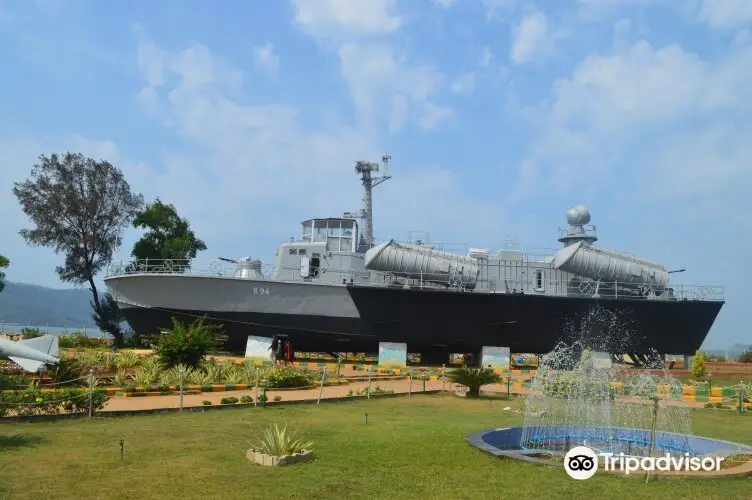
{"x":581,"y":462}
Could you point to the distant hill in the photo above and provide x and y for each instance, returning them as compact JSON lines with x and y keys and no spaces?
{"x":37,"y":305}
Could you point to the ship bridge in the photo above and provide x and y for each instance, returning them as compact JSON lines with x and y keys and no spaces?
{"x":339,"y":234}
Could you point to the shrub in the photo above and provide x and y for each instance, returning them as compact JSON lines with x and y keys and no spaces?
{"x":473,"y":378}
{"x":246,"y":399}
{"x":30,"y":333}
{"x":277,"y":398}
{"x":698,"y":365}
{"x":287,"y":377}
{"x":374,"y":391}
{"x":746,"y":356}
{"x":127,"y":360}
{"x":34,"y":402}
{"x":13,"y":382}
{"x":228,"y":401}
{"x":206,"y":402}
{"x":717,"y":405}
{"x":68,"y":371}
{"x":185,"y":345}
{"x":279,"y":442}
{"x":80,"y":340}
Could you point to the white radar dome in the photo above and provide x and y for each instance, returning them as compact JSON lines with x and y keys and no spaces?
{"x":578,"y":216}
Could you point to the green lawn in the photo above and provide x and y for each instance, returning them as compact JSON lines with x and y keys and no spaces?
{"x":412,"y":447}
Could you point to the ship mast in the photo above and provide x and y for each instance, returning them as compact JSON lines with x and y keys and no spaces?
{"x":366,"y":169}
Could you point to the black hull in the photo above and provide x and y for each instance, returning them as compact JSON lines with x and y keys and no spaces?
{"x":308,"y":333}
{"x":465,"y":321}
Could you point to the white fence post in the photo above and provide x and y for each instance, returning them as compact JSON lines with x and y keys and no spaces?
{"x":321,"y":389}
{"x":255,"y":400}
{"x":370,"y":371}
{"x":181,"y":389}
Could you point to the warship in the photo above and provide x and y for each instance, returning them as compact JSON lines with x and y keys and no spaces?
{"x":335,"y":289}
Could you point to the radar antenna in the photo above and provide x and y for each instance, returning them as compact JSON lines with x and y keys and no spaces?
{"x":366,"y":169}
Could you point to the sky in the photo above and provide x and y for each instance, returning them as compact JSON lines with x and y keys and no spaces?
{"x":499,"y":115}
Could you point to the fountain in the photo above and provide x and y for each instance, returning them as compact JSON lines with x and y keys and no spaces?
{"x":590,"y":405}
{"x":578,"y":397}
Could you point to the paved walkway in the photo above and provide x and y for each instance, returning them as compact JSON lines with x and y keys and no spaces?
{"x":117,"y":403}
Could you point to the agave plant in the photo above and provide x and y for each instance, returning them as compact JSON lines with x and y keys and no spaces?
{"x":173,"y":375}
{"x":200,"y":377}
{"x":278,"y":442}
{"x":127,"y":360}
{"x":248,"y":371}
{"x":214,"y":372}
{"x":235,"y":376}
{"x":145,"y":378}
{"x":121,"y":378}
{"x":150,"y":363}
{"x":164,"y":380}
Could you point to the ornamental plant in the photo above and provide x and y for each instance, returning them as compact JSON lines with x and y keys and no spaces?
{"x":276,"y":441}
{"x":473,"y":378}
{"x":186,"y":344}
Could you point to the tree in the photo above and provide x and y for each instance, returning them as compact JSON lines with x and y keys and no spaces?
{"x":109,"y":319}
{"x":80,"y":207}
{"x":473,"y":378}
{"x":746,"y":356}
{"x":698,"y":365}
{"x":169,"y":236}
{"x":4,"y":263}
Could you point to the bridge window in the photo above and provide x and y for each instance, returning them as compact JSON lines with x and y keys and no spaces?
{"x":301,"y":251}
{"x":292,"y":251}
{"x":539,"y":280}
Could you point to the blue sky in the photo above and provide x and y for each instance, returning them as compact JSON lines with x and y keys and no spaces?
{"x":498,"y":114}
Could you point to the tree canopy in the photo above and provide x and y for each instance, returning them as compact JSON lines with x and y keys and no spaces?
{"x":168,"y":237}
{"x":79,"y":207}
{"x":4,"y":263}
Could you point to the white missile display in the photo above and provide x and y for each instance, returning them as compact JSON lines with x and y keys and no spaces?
{"x":31,"y":354}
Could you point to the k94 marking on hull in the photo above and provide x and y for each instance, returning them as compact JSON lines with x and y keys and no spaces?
{"x":261,"y":291}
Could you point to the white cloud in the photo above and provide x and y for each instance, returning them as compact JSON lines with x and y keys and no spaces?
{"x":724,"y":14}
{"x":265,"y":59}
{"x":335,"y":19}
{"x":259,"y":158}
{"x":463,"y":84}
{"x":385,"y":87}
{"x":646,"y":113}
{"x":532,"y":39}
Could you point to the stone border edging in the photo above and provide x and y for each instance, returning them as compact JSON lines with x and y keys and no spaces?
{"x":200,"y":408}
{"x":476,"y":440}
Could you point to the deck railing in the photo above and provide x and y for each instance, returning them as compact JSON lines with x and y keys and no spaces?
{"x":616,"y":290}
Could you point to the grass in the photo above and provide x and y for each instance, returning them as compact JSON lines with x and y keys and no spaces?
{"x":411,"y":447}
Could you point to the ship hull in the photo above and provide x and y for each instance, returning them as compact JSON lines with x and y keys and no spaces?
{"x":466,"y":321}
{"x":318,"y":318}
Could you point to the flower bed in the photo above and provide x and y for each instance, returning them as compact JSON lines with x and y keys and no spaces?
{"x":74,"y":400}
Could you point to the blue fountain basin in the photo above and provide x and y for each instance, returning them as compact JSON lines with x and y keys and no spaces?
{"x":506,"y":441}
